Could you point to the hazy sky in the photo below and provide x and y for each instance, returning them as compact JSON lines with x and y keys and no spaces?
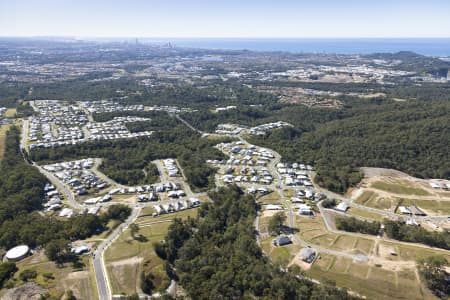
{"x":226,"y":18}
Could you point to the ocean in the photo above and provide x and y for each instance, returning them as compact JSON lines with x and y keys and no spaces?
{"x":424,"y":46}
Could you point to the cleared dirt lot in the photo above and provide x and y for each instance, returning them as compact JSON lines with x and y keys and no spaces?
{"x":369,"y":280}
{"x":386,"y":189}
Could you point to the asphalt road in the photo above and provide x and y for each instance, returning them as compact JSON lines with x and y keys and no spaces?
{"x":68,"y":194}
{"x":101,"y":277}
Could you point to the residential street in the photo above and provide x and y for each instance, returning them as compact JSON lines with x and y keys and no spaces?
{"x":101,"y":275}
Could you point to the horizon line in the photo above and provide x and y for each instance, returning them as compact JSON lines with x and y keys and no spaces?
{"x":216,"y":37}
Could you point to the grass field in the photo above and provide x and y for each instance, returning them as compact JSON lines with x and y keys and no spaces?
{"x":146,"y":211}
{"x":399,"y":187}
{"x":10,"y":113}
{"x":313,"y":230}
{"x":407,"y":252}
{"x":438,"y":207}
{"x":271,"y":198}
{"x":344,"y":242}
{"x":372,"y":199}
{"x":364,"y":246}
{"x":369,"y":280}
{"x":126,"y":257}
{"x":279,"y":255}
{"x":364,"y":214}
{"x":289,"y":193}
{"x":365,"y":197}
{"x":3,"y":130}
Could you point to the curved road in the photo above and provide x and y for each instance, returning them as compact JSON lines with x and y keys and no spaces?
{"x":68,"y":194}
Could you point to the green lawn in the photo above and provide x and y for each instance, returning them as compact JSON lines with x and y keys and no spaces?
{"x":364,"y":214}
{"x":399,"y":188}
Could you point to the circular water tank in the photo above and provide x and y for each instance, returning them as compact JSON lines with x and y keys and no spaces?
{"x":17,"y":253}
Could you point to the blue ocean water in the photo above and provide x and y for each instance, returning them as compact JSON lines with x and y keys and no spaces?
{"x":425,"y":46}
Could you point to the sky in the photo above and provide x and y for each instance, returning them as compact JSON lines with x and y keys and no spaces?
{"x":226,"y":18}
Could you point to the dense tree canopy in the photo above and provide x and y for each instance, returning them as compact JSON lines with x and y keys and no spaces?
{"x":355,"y":225}
{"x":21,"y":185}
{"x":432,"y":269}
{"x":217,"y":257}
{"x":276,"y":223}
{"x":7,"y":270}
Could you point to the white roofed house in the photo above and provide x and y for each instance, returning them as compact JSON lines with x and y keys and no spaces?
{"x":307,"y":254}
{"x":404,"y":210}
{"x":342,"y":207}
{"x":305,"y":210}
{"x":273,"y":207}
{"x":296,"y":200}
{"x":66,"y":212}
{"x":435,"y":185}
{"x":194,"y":202}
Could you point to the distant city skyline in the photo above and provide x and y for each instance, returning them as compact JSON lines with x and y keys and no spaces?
{"x":226,"y":19}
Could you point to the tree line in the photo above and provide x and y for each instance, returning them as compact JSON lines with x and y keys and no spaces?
{"x":396,"y":230}
{"x":417,"y":234}
{"x":355,"y":225}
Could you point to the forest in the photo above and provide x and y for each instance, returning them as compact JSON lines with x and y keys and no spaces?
{"x":216,"y":256}
{"x":21,"y":185}
{"x":11,"y":92}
